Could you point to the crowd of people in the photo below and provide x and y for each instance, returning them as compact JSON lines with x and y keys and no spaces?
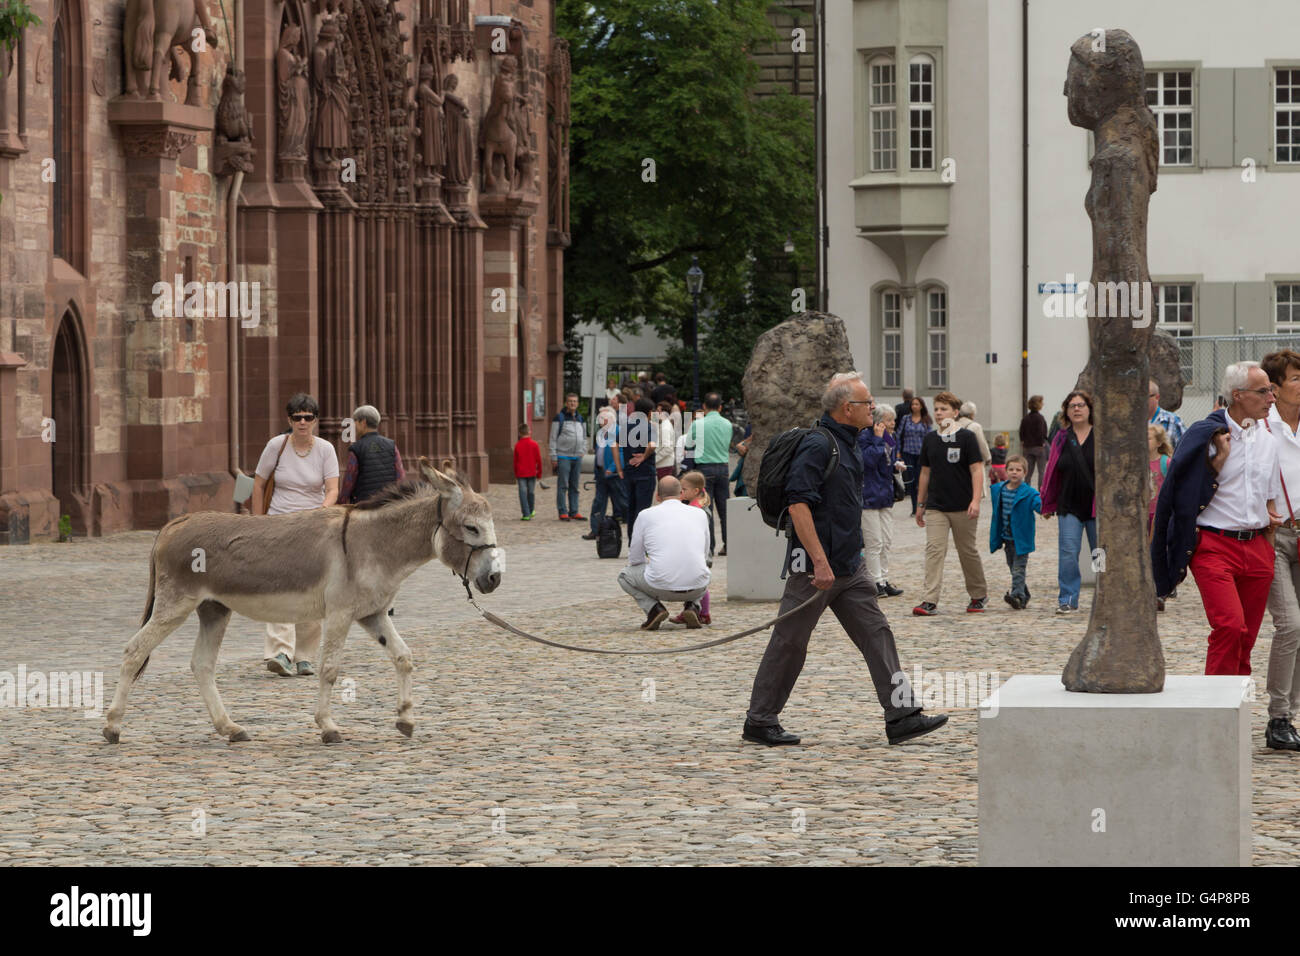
{"x":1220,"y":508}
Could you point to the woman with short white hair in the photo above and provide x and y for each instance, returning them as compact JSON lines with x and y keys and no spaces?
{"x":880,"y":462}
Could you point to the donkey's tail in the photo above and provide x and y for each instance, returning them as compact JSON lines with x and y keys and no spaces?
{"x":153,"y":577}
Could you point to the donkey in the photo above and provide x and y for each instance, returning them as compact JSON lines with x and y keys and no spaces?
{"x":339,"y":564}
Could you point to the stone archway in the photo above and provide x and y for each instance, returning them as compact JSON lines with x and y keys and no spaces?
{"x":69,"y":390}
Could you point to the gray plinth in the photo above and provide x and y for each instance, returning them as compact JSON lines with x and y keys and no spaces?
{"x":754,"y":554}
{"x":1167,"y":775}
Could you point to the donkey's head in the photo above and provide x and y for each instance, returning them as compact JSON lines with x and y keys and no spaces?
{"x":467,"y":542}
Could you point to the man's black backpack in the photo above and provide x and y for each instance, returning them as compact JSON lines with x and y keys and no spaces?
{"x":775,"y":466}
{"x":609,"y":538}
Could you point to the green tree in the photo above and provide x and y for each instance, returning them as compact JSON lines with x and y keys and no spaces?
{"x":671,"y":82}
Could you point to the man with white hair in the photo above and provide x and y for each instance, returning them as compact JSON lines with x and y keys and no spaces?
{"x":1216,"y":515}
{"x":823,"y":492}
{"x":373,"y":460}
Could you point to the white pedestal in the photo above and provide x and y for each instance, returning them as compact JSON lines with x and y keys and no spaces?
{"x":754,"y":554}
{"x":1071,"y":779}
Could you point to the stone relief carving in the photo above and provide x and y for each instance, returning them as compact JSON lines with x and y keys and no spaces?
{"x":460,"y":151}
{"x":557,"y":139}
{"x":433,"y":147}
{"x":333,"y":126}
{"x":293,"y":98}
{"x":234,"y":132}
{"x":497,"y":137}
{"x":151,"y":31}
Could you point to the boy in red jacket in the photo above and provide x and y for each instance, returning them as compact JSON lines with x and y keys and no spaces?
{"x":528,"y":468}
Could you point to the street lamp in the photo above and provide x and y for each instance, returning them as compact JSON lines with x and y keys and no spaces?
{"x":694,"y":284}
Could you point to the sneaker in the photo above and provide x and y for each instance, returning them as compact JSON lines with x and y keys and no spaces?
{"x":525,"y":517}
{"x":577,"y":517}
{"x":1012,"y":600}
{"x":564,"y":517}
{"x":706,"y":618}
{"x":304,"y":669}
{"x":976,"y":605}
{"x":723,"y":552}
{"x":880,"y":591}
{"x":590,"y":536}
{"x":280,"y":664}
{"x":677,"y":619}
{"x":1063,"y":609}
{"x":657,"y":615}
{"x":925,"y":609}
{"x":691,"y":616}
{"x":891,"y":591}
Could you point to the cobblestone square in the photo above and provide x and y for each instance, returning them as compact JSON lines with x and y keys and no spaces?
{"x":524,"y":754}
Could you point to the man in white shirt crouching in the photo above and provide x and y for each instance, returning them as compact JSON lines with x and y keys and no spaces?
{"x":667,"y":559}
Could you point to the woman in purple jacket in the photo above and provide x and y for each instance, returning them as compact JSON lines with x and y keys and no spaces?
{"x":879,"y":452}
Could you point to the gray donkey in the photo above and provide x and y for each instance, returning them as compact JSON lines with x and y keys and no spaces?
{"x":339,"y":564}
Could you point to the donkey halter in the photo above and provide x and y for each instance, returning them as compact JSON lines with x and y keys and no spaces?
{"x":473,"y":549}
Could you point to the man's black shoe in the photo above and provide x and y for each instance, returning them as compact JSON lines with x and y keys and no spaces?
{"x":772,"y":735}
{"x":906,"y":728}
{"x":658,"y":614}
{"x":880,"y":591}
{"x":590,"y":536}
{"x":892,"y":591}
{"x":1278,"y":735}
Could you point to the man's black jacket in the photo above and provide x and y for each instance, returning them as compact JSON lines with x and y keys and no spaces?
{"x":836,"y":504}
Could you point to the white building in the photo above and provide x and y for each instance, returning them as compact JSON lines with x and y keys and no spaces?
{"x":944,"y":218}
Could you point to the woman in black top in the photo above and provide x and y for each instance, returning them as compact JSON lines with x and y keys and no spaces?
{"x":1033,"y":439}
{"x":1069,"y":491}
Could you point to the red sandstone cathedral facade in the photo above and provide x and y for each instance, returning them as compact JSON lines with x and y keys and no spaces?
{"x":207,"y":209}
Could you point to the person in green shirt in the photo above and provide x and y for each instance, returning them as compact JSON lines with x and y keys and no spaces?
{"x":710,"y":436}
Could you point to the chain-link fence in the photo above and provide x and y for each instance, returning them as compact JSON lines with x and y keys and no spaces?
{"x":1204,"y":357}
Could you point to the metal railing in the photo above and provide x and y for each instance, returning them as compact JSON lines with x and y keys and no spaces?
{"x":1204,"y":357}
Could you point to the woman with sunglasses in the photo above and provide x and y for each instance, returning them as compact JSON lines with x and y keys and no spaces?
{"x":1069,"y":492}
{"x":306,"y":471}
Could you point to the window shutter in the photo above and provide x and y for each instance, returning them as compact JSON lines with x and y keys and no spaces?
{"x":1214,"y":119}
{"x":1215,"y":313}
{"x":1254,"y":305}
{"x":1252,"y":117}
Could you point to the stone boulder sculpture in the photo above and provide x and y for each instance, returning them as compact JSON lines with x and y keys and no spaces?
{"x":1166,"y":370}
{"x":786,"y":375}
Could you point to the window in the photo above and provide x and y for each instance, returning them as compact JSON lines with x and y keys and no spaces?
{"x":920,"y":99}
{"x":1169,"y":94}
{"x":1286,"y":115}
{"x":936,"y":331}
{"x":891,"y":346}
{"x":1176,"y":314}
{"x":884,"y":117}
{"x":1287,"y":297}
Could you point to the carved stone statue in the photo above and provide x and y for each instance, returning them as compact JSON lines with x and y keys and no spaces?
{"x":433,"y":147}
{"x":523,"y":144}
{"x":460,"y":142}
{"x":329,"y":74}
{"x":1120,"y":653}
{"x":150,"y":30}
{"x":496,"y":136}
{"x":234,"y":132}
{"x":557,"y":141}
{"x":293,"y":99}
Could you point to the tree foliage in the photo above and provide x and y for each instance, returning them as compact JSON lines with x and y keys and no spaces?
{"x":672,"y":81}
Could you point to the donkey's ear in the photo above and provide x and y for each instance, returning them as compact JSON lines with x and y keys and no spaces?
{"x":442,"y":483}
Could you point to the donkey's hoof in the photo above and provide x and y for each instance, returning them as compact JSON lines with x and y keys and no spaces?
{"x":331,"y":737}
{"x":406,"y":727}
{"x":111,"y":735}
{"x":239,"y":736}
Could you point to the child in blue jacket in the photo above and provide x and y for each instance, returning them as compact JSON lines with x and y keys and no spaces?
{"x":1012,"y":527}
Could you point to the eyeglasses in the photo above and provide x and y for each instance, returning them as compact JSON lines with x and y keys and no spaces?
{"x":1074,"y":405}
{"x":302,"y":418}
{"x":850,"y":401}
{"x":1257,"y":391}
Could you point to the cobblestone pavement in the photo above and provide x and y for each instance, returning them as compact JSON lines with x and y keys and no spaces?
{"x":524,"y":754}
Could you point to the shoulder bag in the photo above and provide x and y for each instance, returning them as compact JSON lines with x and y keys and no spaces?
{"x":269,"y":490}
